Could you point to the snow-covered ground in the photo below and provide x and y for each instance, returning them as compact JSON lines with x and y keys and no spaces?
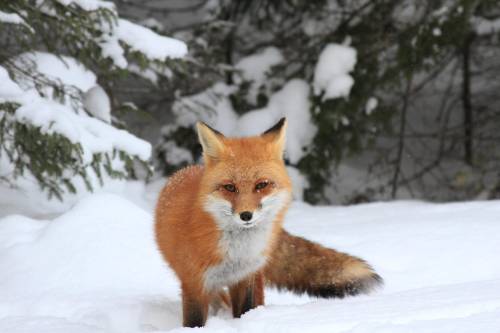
{"x":95,"y":268}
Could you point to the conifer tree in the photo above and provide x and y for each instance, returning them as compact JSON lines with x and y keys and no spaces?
{"x":53,"y":126}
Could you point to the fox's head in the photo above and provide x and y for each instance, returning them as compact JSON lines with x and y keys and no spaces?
{"x":245,"y":182}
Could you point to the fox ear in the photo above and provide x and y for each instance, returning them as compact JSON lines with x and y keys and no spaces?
{"x":276,"y":135}
{"x":210,"y":140}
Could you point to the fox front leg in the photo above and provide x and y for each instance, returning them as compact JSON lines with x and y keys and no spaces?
{"x":247,"y":294}
{"x":194,"y":309}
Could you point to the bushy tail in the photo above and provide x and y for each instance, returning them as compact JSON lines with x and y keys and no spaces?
{"x":302,"y":266}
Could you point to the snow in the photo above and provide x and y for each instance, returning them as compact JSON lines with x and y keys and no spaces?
{"x":483,"y":26}
{"x":371,"y":105}
{"x":150,"y":43}
{"x":313,"y":26}
{"x":92,"y":134}
{"x":14,"y":18}
{"x":111,"y":48}
{"x":408,"y":12}
{"x":90,"y":222}
{"x":10,"y":18}
{"x":9,"y":90}
{"x":66,"y":117}
{"x":331,"y":75}
{"x":63,"y":69}
{"x":96,"y":269}
{"x":138,"y":38}
{"x":89,"y":5}
{"x":292,"y":102}
{"x":256,"y":68}
{"x":213,"y":107}
{"x":299,"y":182}
{"x":146,"y":73}
{"x":177,"y":155}
{"x":153,"y":23}
{"x":97,"y":103}
{"x":55,"y":116}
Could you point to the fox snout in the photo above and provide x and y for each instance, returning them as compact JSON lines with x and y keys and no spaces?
{"x":227,"y":216}
{"x":246,"y":216}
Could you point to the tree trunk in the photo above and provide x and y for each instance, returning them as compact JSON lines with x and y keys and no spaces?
{"x":466,"y":101}
{"x":401,"y":143}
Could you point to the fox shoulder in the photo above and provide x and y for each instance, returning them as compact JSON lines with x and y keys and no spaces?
{"x":179,"y":191}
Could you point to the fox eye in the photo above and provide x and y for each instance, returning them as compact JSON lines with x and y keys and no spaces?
{"x":230,"y":187}
{"x":261,"y":185}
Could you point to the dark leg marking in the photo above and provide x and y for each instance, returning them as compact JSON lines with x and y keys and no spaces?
{"x":248,"y":300}
{"x":194,"y":311}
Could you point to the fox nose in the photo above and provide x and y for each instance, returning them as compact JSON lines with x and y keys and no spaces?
{"x":246,"y":216}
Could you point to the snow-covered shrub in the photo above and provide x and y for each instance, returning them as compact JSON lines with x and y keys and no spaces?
{"x":56,"y":106}
{"x":270,"y":67}
{"x":256,"y":99}
{"x":399,"y":90}
{"x":213,"y":106}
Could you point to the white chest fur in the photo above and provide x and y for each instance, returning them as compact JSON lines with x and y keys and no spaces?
{"x":243,"y":253}
{"x":242,"y":248}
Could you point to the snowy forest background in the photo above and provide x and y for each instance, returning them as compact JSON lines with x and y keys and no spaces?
{"x":385,"y":99}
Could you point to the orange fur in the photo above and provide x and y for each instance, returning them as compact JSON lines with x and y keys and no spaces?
{"x":188,"y":235}
{"x":201,"y":237}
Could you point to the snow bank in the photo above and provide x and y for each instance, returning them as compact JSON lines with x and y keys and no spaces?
{"x":28,"y":199}
{"x":96,"y":269}
{"x":331,"y":75}
{"x":73,"y":253}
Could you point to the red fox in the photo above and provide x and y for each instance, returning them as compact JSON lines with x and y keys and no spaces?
{"x":220,"y":225}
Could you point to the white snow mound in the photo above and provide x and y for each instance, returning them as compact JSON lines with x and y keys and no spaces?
{"x":96,"y":269}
